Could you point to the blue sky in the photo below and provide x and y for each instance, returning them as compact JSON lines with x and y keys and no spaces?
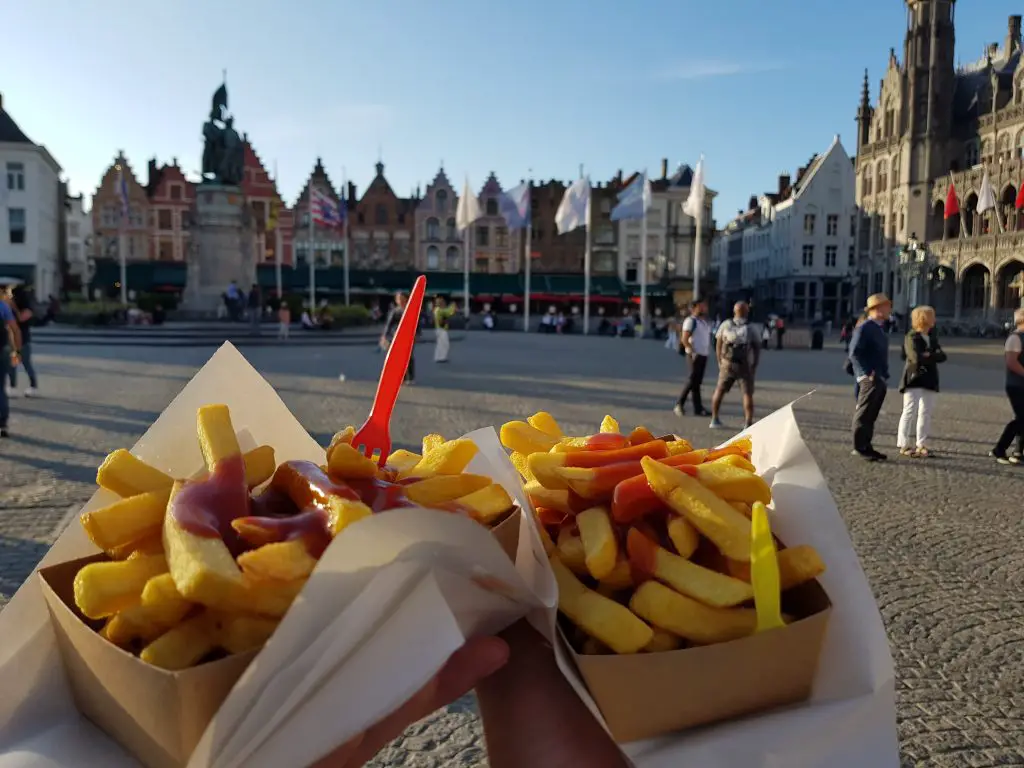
{"x":510,"y":87}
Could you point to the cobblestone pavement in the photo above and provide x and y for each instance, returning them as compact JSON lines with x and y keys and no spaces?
{"x":940,"y":540}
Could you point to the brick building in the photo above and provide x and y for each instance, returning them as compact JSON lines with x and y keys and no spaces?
{"x":382,"y":226}
{"x":553,"y":252}
{"x":263,"y":196}
{"x":170,"y":196}
{"x":106,"y":215}
{"x":328,"y":242}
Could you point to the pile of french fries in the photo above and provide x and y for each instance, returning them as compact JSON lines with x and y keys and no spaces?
{"x":649,"y":539}
{"x":182,"y":586}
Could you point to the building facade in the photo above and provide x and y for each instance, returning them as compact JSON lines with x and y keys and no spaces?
{"x":551,"y":251}
{"x":328,"y":243}
{"x":382,"y":226}
{"x":171,"y":197}
{"x":492,"y":246}
{"x":32,"y":206}
{"x":792,"y":252}
{"x":933,"y":132}
{"x":263,"y":196}
{"x":108,"y":224}
{"x":79,"y":238}
{"x":438,"y":244}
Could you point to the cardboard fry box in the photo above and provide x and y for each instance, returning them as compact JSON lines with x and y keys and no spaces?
{"x":158,"y":716}
{"x":645,"y":695}
{"x":507,"y":532}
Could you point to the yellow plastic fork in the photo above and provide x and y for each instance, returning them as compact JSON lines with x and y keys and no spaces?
{"x":764,"y":571}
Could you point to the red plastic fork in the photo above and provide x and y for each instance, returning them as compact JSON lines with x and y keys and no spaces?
{"x":375,"y":434}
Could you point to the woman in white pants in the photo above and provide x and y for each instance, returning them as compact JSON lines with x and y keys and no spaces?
{"x":442,"y":314}
{"x":920,"y":383}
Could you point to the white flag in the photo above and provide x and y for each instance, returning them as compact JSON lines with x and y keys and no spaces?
{"x":572,"y":211}
{"x":986,"y":196}
{"x":468,"y":210}
{"x":694,"y":205}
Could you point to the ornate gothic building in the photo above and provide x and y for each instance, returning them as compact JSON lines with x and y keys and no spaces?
{"x":935,"y":129}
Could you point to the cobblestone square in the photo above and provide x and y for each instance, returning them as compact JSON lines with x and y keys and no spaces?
{"x":940,"y":539}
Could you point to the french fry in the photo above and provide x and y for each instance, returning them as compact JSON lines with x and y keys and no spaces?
{"x":620,"y":577}
{"x":683,"y":616}
{"x":641,"y":435}
{"x":603,"y":441}
{"x":308,"y":486}
{"x":451,"y":458}
{"x":443,"y":488}
{"x":546,"y":423}
{"x":104,"y":588}
{"x":279,"y":560}
{"x":402,"y":459}
{"x":346,"y":462}
{"x":489,"y":504}
{"x":184,"y":645}
{"x":709,"y":514}
{"x":127,"y":520}
{"x":521,"y":462}
{"x":733,"y":483}
{"x":676,"y":447}
{"x":684,"y":537}
{"x":217,"y":438}
{"x":601,"y":551}
{"x":663,"y":641}
{"x":547,"y":497}
{"x":259,"y":465}
{"x":570,"y":551}
{"x":237,"y":633}
{"x":707,"y":586}
{"x":523,"y":438}
{"x":743,"y":507}
{"x":161,"y":607}
{"x":153,"y":544}
{"x":126,"y":475}
{"x":430,"y":442}
{"x":344,"y":437}
{"x":608,"y":424}
{"x":266,"y":598}
{"x":797,"y":565}
{"x":601,"y":618}
{"x":735,"y":460}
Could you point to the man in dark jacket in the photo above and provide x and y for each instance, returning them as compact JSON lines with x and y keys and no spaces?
{"x":1014,"y":431}
{"x":869,"y":356}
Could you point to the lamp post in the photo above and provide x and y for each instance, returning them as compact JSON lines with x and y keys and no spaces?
{"x":913,"y":259}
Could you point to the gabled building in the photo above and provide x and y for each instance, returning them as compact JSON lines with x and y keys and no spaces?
{"x":438,"y":244}
{"x":553,"y":252}
{"x":32,"y":209}
{"x":107,"y":224}
{"x":171,"y":197}
{"x":491,"y":243}
{"x":265,"y":199}
{"x":382,"y":226}
{"x":328,"y":243}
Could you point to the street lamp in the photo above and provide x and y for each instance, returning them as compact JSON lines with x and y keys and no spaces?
{"x":913,"y":258}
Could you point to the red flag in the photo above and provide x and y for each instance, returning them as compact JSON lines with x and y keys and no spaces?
{"x":952,"y":204}
{"x":1020,"y":200}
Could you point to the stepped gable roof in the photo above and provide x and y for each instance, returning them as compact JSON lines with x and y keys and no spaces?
{"x":323,"y":182}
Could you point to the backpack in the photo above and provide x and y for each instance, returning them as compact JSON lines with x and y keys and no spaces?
{"x":737,"y":344}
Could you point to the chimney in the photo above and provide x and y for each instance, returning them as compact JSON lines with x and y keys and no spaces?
{"x":784,"y":181}
{"x":1013,"y":33}
{"x":664,"y":167}
{"x":752,"y":204}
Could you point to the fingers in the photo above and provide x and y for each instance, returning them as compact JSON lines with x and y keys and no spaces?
{"x":477,"y":659}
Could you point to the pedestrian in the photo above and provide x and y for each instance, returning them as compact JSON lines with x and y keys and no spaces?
{"x":284,"y":320}
{"x":738,"y":351}
{"x":672,"y":338}
{"x":869,"y":357}
{"x":10,"y":348}
{"x":255,"y":309}
{"x":780,"y":331}
{"x":442,"y":316}
{"x":391,"y":328}
{"x":1014,"y":353}
{"x":233,"y":300}
{"x":695,"y":343}
{"x":920,"y":382}
{"x":21,"y":305}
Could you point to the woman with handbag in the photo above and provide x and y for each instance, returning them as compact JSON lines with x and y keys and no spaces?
{"x":920,"y":383}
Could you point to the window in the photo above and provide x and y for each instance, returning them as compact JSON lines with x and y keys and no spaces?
{"x":606,"y":205}
{"x":381,"y":214}
{"x":259,"y":210}
{"x":452,"y":259}
{"x":166,"y":250}
{"x":501,"y":237}
{"x":881,"y":176}
{"x":865,"y":187}
{"x":433,"y":227}
{"x":808,"y":260}
{"x":175,"y":191}
{"x":163,"y":219}
{"x":895,"y":171}
{"x":632,"y":272}
{"x":483,"y":235}
{"x":809,"y":224}
{"x":16,"y":176}
{"x":441,"y":201}
{"x":853,"y":225}
{"x":832,"y":225}
{"x":73,"y":230}
{"x":16,"y":225}
{"x":830,"y":255}
{"x":492,"y":206}
{"x":453,"y":233}
{"x":433,"y":257}
{"x":853,"y":257}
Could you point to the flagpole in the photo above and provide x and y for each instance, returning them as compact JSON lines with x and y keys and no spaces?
{"x":643,"y":265}
{"x":696,"y":253}
{"x":344,"y":232}
{"x":278,"y":242}
{"x":122,"y":249}
{"x":528,"y":255}
{"x":586,"y":271}
{"x":312,"y":255}
{"x":465,"y":271}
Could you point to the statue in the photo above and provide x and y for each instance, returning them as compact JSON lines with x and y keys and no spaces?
{"x":223,"y":152}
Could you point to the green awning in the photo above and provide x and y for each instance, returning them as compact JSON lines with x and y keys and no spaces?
{"x":24,"y":272}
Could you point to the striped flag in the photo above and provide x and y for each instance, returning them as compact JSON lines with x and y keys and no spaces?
{"x":122,"y":192}
{"x":326,"y":212}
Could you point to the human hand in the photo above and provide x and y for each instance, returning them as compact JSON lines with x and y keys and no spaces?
{"x":465,"y":668}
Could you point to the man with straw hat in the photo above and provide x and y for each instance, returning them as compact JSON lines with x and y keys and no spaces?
{"x":869,"y":356}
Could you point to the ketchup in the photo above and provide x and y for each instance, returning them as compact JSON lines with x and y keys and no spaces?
{"x":607,"y":441}
{"x":310,"y":527}
{"x":206,"y":507}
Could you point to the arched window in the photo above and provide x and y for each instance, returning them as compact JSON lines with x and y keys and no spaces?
{"x":895,"y":175}
{"x":433,"y":229}
{"x":971,"y":154}
{"x":451,"y":258}
{"x":865,"y":187}
{"x":452,"y":233}
{"x":492,"y":206}
{"x":433,"y":257}
{"x":1003,"y":147}
{"x":882,"y":175}
{"x":1019,"y":146}
{"x":381,"y":216}
{"x":441,"y":200}
{"x":986,"y":151}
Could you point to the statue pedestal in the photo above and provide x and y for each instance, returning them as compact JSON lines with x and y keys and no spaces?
{"x":223,"y":247}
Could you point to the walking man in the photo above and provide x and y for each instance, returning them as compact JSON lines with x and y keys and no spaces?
{"x":442,"y":315}
{"x":10,"y":348}
{"x":1014,"y":430}
{"x":869,"y":356}
{"x":695,"y":343}
{"x":738,"y":351}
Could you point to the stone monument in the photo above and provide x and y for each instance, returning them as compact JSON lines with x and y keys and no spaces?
{"x":222,"y":229}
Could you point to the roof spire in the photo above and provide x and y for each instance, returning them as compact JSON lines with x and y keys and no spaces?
{"x":865,"y":93}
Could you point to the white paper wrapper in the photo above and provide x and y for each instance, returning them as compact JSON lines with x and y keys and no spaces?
{"x":850,"y":721}
{"x":390,"y":600}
